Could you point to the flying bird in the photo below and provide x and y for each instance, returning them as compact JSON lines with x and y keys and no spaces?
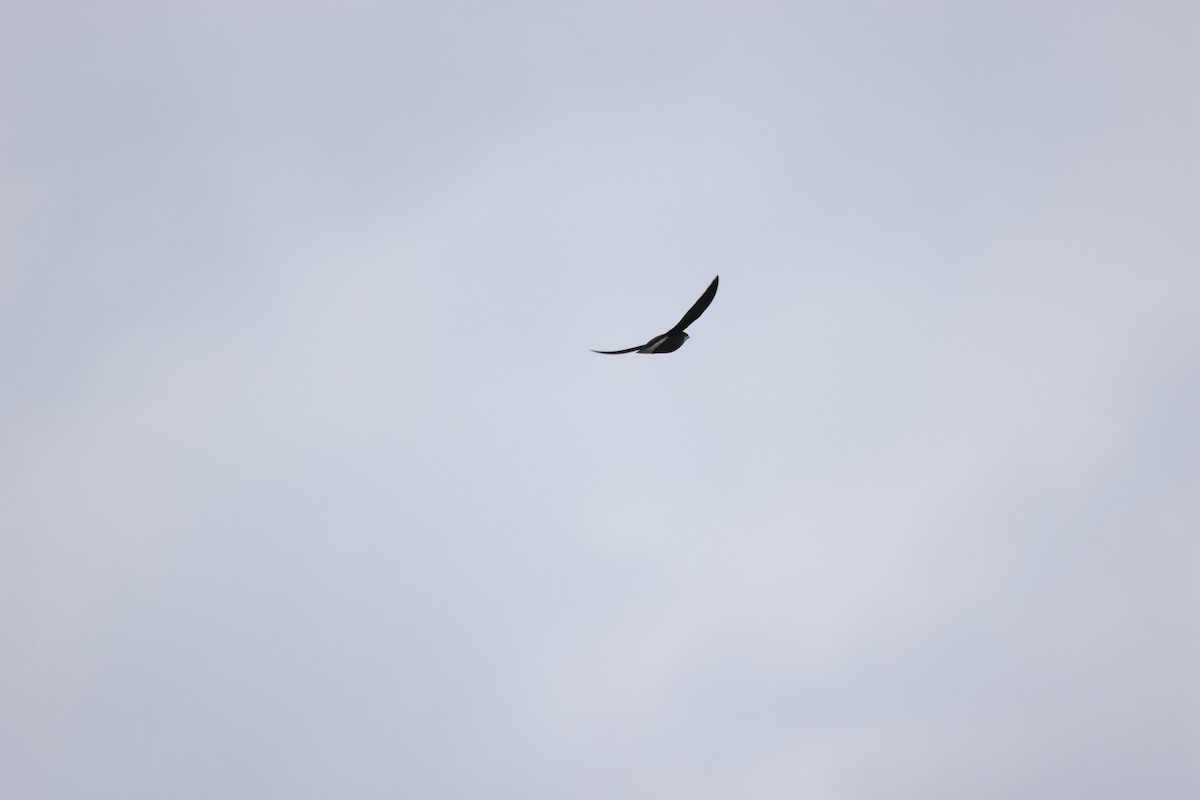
{"x":673,"y":339}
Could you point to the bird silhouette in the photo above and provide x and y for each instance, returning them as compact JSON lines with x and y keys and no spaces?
{"x":673,"y":339}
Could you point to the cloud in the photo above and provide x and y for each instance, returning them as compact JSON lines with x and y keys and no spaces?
{"x":313,"y":487}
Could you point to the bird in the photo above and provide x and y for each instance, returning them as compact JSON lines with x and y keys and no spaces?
{"x":673,"y":339}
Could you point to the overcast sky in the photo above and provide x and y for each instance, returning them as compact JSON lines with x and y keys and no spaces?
{"x":310,"y":488}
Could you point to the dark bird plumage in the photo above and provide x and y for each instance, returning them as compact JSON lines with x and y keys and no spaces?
{"x":673,"y":339}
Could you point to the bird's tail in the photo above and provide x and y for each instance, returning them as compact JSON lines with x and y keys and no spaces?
{"x":619,"y":352}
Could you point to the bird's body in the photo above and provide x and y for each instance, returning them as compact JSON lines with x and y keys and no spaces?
{"x":673,"y":339}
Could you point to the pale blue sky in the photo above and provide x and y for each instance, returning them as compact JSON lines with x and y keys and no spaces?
{"x":309,"y":485}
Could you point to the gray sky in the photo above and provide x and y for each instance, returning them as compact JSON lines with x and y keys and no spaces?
{"x":309,"y":485}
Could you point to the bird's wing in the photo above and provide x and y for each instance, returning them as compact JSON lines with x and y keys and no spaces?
{"x":619,"y":352}
{"x":698,"y":307}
